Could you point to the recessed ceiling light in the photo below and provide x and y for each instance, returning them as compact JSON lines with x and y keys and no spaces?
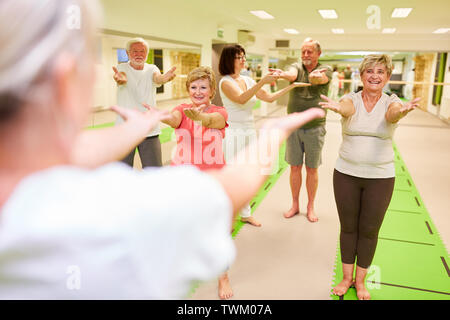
{"x":401,"y":12}
{"x":339,"y":31}
{"x":441,"y":30}
{"x":328,"y":14}
{"x":388,"y":30}
{"x":262,"y":14}
{"x":291,"y":31}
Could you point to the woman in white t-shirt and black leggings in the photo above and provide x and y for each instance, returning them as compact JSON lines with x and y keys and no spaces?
{"x":364,"y":174}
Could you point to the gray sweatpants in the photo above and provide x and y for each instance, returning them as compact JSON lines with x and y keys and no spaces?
{"x":149,"y":152}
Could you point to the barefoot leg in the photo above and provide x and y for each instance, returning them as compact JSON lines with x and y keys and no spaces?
{"x":295,"y":179}
{"x":312,"y":182}
{"x":360,"y":284}
{"x":346,"y":282}
{"x":225,"y":291}
{"x":251,"y":220}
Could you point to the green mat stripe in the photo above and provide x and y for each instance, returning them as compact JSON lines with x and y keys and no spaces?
{"x":411,"y":260}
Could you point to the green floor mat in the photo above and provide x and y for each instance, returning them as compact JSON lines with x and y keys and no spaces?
{"x":411,"y":261}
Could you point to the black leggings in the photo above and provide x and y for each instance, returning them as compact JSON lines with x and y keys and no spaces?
{"x":361,"y":205}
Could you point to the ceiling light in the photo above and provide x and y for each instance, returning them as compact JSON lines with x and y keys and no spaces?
{"x":291,"y":31}
{"x":328,"y":14}
{"x":262,"y":14}
{"x":441,"y":30}
{"x":388,"y":30}
{"x":401,"y":12}
{"x":339,"y":31}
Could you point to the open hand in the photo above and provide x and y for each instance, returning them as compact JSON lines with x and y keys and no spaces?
{"x":195,"y":112}
{"x":147,"y":119}
{"x":277,"y":72}
{"x":318,"y":73}
{"x":409,"y":106}
{"x":330,"y":104}
{"x":170,"y":75}
{"x":287,"y":124}
{"x":119,"y":77}
{"x":270,"y":77}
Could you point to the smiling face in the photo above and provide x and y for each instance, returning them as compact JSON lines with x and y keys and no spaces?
{"x":200,"y":92}
{"x":374,"y":77}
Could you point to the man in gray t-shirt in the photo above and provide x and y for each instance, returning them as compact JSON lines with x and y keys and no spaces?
{"x":306,"y":142}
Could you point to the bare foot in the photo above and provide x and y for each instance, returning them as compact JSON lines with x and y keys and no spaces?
{"x":311,"y":216}
{"x":225,"y":291}
{"x":361,"y":291}
{"x":292,"y":212}
{"x":342,"y":287}
{"x":251,"y":221}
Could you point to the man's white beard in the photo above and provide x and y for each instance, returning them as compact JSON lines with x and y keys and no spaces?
{"x":138,"y":63}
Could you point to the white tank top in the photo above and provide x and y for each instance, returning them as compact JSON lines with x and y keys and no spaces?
{"x":238,"y":112}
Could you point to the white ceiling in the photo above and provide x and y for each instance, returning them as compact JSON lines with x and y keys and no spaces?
{"x":425,"y":17}
{"x":413,"y":33}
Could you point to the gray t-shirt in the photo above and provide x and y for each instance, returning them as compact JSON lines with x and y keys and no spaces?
{"x":304,"y":98}
{"x":366,"y":150}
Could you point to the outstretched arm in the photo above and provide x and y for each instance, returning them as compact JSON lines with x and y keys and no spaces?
{"x":345,"y":107}
{"x":94,"y":148}
{"x":232,"y":91}
{"x":172,"y":119}
{"x":271,"y":97}
{"x":166,"y":77}
{"x":396,"y":110}
{"x":242,"y":179}
{"x":214,"y":120}
{"x":289,"y":75}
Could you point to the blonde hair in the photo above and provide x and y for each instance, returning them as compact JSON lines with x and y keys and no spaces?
{"x":373,"y":59}
{"x":32,"y":34}
{"x":202,"y":73}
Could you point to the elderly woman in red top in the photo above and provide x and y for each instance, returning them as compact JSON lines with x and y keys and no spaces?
{"x":200,"y":126}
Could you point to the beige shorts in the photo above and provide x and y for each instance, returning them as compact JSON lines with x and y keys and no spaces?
{"x":307,"y":144}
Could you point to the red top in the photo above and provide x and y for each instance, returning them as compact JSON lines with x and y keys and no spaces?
{"x":199,"y":145}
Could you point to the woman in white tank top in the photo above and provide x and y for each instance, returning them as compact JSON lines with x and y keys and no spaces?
{"x":239,"y":94}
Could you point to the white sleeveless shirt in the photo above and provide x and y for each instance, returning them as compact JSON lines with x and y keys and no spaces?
{"x":238,"y":112}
